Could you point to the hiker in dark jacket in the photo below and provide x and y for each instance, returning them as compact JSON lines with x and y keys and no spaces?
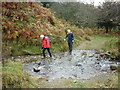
{"x":45,"y":45}
{"x":70,"y":37}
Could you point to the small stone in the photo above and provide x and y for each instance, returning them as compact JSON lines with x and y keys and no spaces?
{"x":19,"y":56}
{"x":102,"y":54}
{"x":12,"y":57}
{"x":113,"y":58}
{"x":47,"y":80}
{"x":97,"y":52}
{"x":84,"y":53}
{"x":97,"y":63}
{"x":75,"y":81}
{"x":91,"y":55}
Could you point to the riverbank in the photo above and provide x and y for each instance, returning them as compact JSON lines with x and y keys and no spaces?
{"x":101,"y":42}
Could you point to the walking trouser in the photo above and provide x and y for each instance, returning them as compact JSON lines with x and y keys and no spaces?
{"x":70,"y":46}
{"x":43,"y":51}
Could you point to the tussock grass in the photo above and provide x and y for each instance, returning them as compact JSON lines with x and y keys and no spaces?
{"x":14,"y":77}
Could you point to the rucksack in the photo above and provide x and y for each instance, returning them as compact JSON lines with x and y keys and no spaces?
{"x":49,"y":38}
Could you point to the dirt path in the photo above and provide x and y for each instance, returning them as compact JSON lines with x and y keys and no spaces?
{"x":93,"y":44}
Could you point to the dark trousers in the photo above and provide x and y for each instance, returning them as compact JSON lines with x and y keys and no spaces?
{"x":70,"y":46}
{"x":43,"y":51}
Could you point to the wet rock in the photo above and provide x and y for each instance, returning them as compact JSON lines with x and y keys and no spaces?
{"x":102,"y":54}
{"x":75,"y":75}
{"x":91,"y":55}
{"x":98,"y":59}
{"x":113,"y":66}
{"x":97,"y":62}
{"x":78,"y":64}
{"x":95,"y":55}
{"x":47,"y":80}
{"x":60,"y":57}
{"x":113,"y":58}
{"x":39,"y":63}
{"x":97,"y":52}
{"x":36,"y":69}
{"x":33,"y":60}
{"x":105,"y":54}
{"x":17,"y":60}
{"x":12,"y":57}
{"x":118,"y":63}
{"x":18,"y":56}
{"x":105,"y":67}
{"x":84,"y":53}
{"x":75,"y":81}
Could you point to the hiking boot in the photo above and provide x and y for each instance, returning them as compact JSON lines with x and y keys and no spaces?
{"x":43,"y":58}
{"x":70,"y":53}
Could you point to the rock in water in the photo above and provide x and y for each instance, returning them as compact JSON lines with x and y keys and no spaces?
{"x":36,"y":69}
{"x":78,"y":64}
{"x":113,"y":66}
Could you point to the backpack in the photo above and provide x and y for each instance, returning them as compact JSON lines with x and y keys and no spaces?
{"x":49,"y":38}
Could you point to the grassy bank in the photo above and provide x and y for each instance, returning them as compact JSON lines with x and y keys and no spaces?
{"x":101,"y":42}
{"x":14,"y":77}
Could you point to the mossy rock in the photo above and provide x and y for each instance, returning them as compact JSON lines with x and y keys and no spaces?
{"x":113,"y":66}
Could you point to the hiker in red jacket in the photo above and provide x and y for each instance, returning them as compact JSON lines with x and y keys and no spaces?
{"x":45,"y":45}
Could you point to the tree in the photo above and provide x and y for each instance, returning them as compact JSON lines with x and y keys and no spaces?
{"x":109,"y":15}
{"x":80,"y":14}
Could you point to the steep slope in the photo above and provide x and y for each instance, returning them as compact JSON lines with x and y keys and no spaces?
{"x":22,"y":23}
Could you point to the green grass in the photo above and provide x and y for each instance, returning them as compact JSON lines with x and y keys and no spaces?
{"x":78,"y":85}
{"x":32,"y":50}
{"x":101,"y":42}
{"x":112,"y":46}
{"x":14,"y":77}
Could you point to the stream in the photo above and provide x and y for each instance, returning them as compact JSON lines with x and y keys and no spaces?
{"x":82,"y":64}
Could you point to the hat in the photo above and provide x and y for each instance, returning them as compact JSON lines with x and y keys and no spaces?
{"x":42,"y":36}
{"x":68,"y":30}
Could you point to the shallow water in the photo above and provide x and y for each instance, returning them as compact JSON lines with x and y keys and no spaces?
{"x":82,"y":64}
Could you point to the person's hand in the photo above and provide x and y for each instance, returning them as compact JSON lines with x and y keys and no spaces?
{"x":72,"y":40}
{"x":64,"y":39}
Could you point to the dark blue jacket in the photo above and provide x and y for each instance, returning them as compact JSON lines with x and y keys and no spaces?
{"x":70,"y":37}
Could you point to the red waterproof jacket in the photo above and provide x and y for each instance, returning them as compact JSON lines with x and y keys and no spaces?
{"x":45,"y":42}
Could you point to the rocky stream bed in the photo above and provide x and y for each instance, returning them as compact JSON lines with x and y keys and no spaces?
{"x":81,"y":65}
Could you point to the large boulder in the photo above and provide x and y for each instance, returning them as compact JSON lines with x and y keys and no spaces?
{"x":36,"y":69}
{"x":105,"y":54}
{"x":113,"y":66}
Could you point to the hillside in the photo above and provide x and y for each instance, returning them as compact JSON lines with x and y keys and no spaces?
{"x":22,"y":23}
